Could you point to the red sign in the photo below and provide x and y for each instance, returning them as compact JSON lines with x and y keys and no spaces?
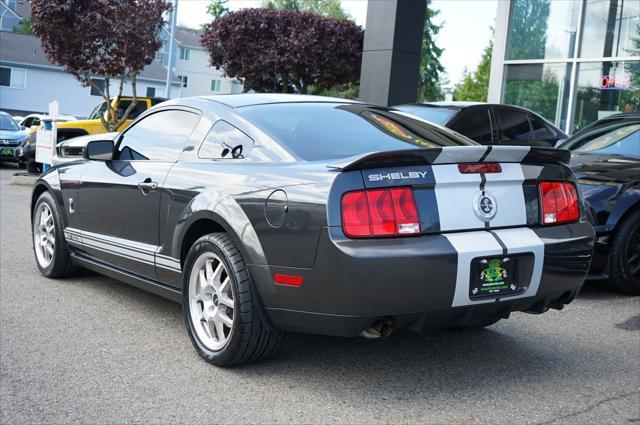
{"x":613,"y":82}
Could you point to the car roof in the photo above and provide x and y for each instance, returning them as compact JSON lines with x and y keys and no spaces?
{"x":250,"y":99}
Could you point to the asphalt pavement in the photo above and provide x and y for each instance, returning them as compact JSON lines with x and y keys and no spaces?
{"x":93,"y":350}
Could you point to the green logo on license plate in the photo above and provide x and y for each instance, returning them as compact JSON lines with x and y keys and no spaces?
{"x":494,"y":272}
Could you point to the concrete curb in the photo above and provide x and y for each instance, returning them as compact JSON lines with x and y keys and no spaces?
{"x":23,"y":179}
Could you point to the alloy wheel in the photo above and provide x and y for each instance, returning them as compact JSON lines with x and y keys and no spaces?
{"x":44,"y":236}
{"x":211,"y":301}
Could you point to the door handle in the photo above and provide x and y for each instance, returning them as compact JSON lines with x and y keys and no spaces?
{"x":147,"y":184}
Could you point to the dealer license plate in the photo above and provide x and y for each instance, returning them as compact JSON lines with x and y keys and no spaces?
{"x":493,"y":277}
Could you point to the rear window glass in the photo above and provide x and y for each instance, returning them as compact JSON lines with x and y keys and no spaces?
{"x":316,"y":131}
{"x":435,"y":115}
{"x":618,"y":139}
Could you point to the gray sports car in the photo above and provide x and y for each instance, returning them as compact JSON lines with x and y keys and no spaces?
{"x":270,"y":213}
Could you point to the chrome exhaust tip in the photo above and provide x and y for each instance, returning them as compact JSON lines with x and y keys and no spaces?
{"x":381,"y":328}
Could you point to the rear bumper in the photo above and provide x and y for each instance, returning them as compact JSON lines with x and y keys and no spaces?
{"x":421,"y":281}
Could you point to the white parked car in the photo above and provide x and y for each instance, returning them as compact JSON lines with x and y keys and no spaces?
{"x":36,"y":119}
{"x":73,"y":149}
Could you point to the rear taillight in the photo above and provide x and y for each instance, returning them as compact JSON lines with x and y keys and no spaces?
{"x":559,"y":201}
{"x":380,"y":212}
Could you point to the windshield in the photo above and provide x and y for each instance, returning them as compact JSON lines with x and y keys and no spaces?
{"x":7,"y":123}
{"x":622,"y":138}
{"x":316,"y":131}
{"x":98,"y":111}
{"x":435,"y":115}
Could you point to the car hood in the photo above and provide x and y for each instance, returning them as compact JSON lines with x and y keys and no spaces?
{"x":13,"y":135}
{"x":605,"y":168}
{"x":82,"y":141}
{"x":79,"y":123}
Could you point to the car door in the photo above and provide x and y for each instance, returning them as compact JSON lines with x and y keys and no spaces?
{"x":119,"y":200}
{"x":476,"y":123}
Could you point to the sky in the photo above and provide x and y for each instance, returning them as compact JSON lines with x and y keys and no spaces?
{"x":465,"y":34}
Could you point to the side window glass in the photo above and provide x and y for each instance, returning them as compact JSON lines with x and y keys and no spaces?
{"x":515,"y":124}
{"x":476,"y":125}
{"x":27,"y":122}
{"x":540,"y":130}
{"x":140,"y":107}
{"x":225,"y":141}
{"x":157,"y":137}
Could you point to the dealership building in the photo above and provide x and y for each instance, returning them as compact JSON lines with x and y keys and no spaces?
{"x":572,"y":61}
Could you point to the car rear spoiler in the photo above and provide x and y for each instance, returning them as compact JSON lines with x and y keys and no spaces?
{"x":453,"y":155}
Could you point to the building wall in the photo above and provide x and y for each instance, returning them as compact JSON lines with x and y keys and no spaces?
{"x":572,"y":61}
{"x":44,"y":86}
{"x":199,"y":75}
{"x":8,"y":20}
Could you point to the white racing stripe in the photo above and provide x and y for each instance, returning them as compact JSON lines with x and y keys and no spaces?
{"x":454,"y":154}
{"x":506,"y":187}
{"x":507,"y":153}
{"x":131,"y":250}
{"x":470,"y":245}
{"x":454,"y":194}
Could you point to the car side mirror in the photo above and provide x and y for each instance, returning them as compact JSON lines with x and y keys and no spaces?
{"x":99,"y":150}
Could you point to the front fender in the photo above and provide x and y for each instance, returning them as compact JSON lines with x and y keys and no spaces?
{"x":627,"y":201}
{"x":48,"y":182}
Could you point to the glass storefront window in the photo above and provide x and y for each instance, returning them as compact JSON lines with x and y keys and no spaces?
{"x":543,"y":88}
{"x":605,"y":88}
{"x":611,"y":28}
{"x":542,"y":29}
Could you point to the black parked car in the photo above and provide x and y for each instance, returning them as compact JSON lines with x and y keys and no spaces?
{"x":271,"y":213}
{"x":606,"y":160}
{"x":490,"y":124}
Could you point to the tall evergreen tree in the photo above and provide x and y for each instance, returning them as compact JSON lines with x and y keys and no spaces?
{"x":326,"y":8}
{"x":217,"y":8}
{"x":474,"y":87}
{"x":430,"y":66}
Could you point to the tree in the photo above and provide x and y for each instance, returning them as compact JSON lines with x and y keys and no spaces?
{"x":25,"y":26}
{"x":110,"y":39}
{"x":528,"y":34}
{"x":474,"y":86}
{"x":430,"y":66}
{"x":284,"y":51}
{"x":326,"y":8}
{"x":217,"y":8}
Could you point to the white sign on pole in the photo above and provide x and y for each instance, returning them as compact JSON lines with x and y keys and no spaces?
{"x":45,"y":138}
{"x":44,"y":146}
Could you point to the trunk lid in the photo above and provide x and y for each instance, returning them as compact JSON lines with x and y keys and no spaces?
{"x":451,"y":200}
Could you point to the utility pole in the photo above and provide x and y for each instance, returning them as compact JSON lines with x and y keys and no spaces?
{"x":172,"y":46}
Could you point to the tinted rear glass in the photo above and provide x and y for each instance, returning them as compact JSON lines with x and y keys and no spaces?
{"x":435,"y":115}
{"x":316,"y":131}
{"x":621,"y":138}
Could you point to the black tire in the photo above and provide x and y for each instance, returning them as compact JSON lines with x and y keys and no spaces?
{"x":624,"y":256}
{"x":21,"y":164}
{"x":61,"y":264}
{"x":250,"y":339}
